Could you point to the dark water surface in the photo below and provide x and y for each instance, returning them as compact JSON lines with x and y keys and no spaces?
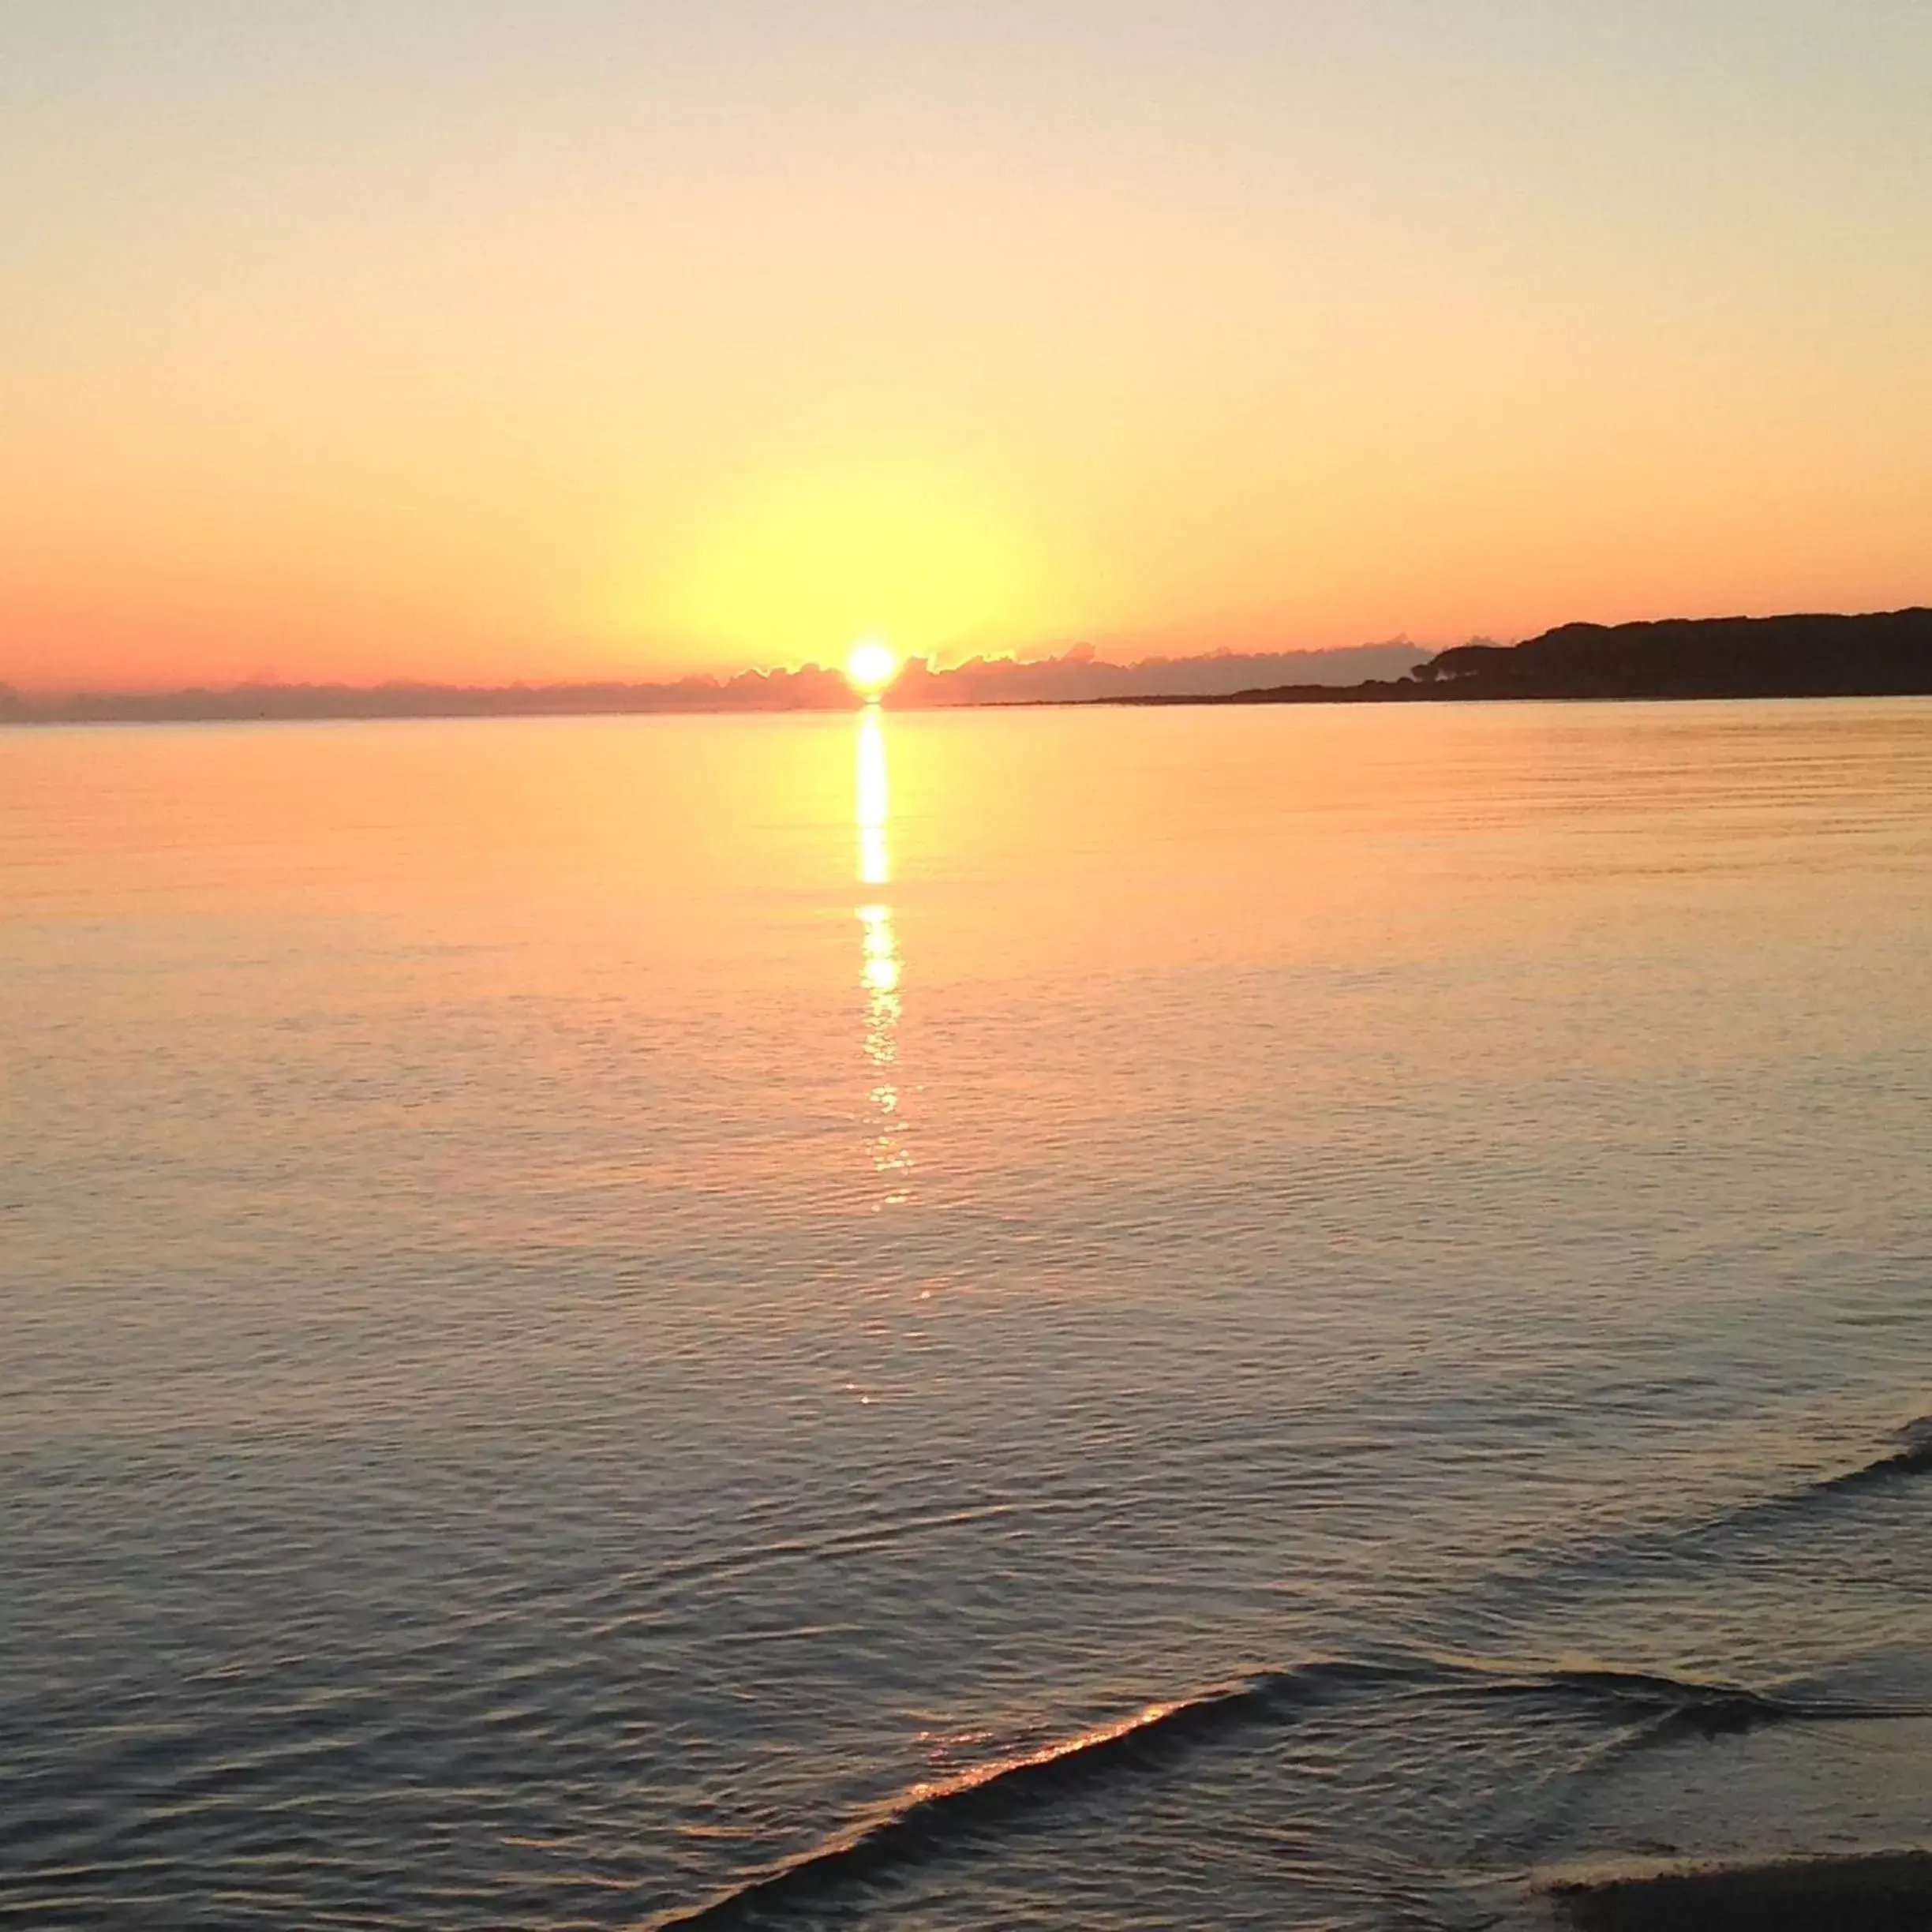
{"x":1106,"y":1319}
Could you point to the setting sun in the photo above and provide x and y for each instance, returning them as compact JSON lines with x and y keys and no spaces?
{"x":872,"y":665}
{"x":1033,"y":875}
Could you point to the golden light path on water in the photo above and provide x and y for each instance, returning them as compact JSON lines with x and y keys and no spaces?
{"x":881,"y":966}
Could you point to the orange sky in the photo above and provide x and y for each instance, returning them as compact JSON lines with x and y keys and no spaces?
{"x":478,"y":339}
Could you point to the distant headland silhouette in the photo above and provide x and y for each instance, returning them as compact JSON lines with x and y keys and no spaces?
{"x":1882,"y":654}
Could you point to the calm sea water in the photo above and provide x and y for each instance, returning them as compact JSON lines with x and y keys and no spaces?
{"x":1109,"y":1319}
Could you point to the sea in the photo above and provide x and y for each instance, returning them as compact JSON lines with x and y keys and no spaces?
{"x":1262,"y":1317}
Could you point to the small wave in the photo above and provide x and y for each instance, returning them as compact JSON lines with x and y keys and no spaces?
{"x":929,"y":1815}
{"x":1672,"y":1706}
{"x":1913,"y":1457}
{"x":1909,"y":1455}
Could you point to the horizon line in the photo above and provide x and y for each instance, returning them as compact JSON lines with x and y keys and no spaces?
{"x":1075,"y":657}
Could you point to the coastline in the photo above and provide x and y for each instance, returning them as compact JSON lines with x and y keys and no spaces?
{"x":1852,"y":1892}
{"x":1874,"y":654}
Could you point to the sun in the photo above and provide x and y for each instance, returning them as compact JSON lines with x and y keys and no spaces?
{"x":873,"y":665}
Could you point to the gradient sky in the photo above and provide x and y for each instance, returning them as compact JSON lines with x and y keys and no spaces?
{"x":488,"y":338}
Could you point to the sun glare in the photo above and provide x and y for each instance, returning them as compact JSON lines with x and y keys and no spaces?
{"x":873,"y":665}
{"x":776,"y":570}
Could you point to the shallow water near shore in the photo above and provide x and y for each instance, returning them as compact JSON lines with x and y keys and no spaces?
{"x":1225,"y":1318}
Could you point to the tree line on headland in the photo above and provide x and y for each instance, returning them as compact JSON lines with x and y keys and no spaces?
{"x":1884,"y":654}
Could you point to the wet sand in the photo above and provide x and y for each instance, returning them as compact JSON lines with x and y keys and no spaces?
{"x":1886,"y":1892}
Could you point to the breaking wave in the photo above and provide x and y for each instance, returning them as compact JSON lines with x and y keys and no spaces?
{"x":1912,"y":1456}
{"x":1909,"y":1454}
{"x":929,"y":1815}
{"x":929,"y":1818}
{"x":1664,"y":1707}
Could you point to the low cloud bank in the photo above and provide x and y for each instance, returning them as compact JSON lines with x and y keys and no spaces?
{"x":1079,"y":674}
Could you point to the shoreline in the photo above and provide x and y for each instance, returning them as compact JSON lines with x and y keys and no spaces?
{"x":1848,"y":1892}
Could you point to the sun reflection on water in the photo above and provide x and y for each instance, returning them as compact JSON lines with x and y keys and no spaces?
{"x":881,"y":966}
{"x":875,"y":801}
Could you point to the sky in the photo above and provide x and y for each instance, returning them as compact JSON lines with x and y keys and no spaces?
{"x":486,"y":339}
